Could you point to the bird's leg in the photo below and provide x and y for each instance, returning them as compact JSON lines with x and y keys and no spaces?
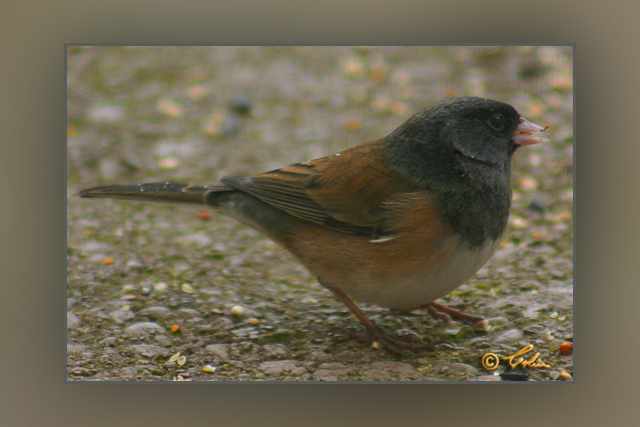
{"x":394,"y":345}
{"x":437,"y":310}
{"x":445,"y":313}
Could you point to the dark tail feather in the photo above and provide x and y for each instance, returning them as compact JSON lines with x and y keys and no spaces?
{"x":169,"y":192}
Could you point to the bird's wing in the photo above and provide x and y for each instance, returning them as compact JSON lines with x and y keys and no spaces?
{"x":345,"y":191}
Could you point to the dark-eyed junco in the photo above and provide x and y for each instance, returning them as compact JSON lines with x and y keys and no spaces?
{"x":397,"y":222}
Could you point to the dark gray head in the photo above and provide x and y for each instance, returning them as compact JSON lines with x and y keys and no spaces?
{"x":478,"y":128}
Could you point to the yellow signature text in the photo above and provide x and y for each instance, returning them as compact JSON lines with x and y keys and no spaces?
{"x":491,"y":361}
{"x":513,"y":362}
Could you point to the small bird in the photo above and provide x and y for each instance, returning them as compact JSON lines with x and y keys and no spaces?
{"x":398,"y":222}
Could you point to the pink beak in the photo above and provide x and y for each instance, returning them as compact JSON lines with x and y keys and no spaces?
{"x":525,"y":133}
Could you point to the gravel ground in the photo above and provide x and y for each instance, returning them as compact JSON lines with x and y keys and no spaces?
{"x":162,"y":293}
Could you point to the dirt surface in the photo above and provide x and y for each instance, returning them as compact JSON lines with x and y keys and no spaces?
{"x":146,"y":282}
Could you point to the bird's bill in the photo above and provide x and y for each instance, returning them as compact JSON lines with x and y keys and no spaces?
{"x":528,"y":133}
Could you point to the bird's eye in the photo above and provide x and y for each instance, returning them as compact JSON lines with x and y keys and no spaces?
{"x":497,"y":121}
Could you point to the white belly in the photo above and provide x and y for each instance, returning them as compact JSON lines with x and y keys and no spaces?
{"x":421,"y":287}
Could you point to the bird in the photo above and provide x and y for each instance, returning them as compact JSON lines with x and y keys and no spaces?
{"x":396,"y":222}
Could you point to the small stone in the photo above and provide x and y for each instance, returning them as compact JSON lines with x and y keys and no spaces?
{"x":133,"y":264}
{"x":220,"y":350}
{"x":501,"y":320}
{"x":170,"y":108}
{"x":237,"y":310}
{"x":509,"y":336}
{"x":148,"y":350}
{"x":160,"y":286}
{"x":249,"y":332}
{"x":354,"y":67}
{"x":278,"y":367}
{"x":482,"y":326}
{"x":187,"y":288}
{"x":566,"y":348}
{"x":197,"y":92}
{"x":528,"y":183}
{"x":275,"y":350}
{"x":518,"y":222}
{"x":93,"y":246}
{"x":467,"y":370}
{"x":76,"y":348}
{"x":240,"y":105}
{"x":73,"y":321}
{"x":143,"y":328}
{"x":169,"y":163}
{"x":128,"y":288}
{"x":537,"y":207}
{"x":199,"y":240}
{"x":120,"y":316}
{"x":565,"y":376}
{"x":105,"y":114}
{"x":155,"y":312}
{"x":517,"y":374}
{"x":189,"y":312}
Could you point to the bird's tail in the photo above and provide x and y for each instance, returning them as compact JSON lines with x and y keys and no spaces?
{"x":169,"y":192}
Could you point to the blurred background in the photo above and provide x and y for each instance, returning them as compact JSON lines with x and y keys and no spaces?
{"x":204,"y":112}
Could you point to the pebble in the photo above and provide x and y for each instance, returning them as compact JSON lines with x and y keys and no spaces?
{"x":105,"y":114}
{"x":120,"y":316}
{"x":143,"y":328}
{"x":93,"y":246}
{"x":277,"y":367}
{"x":156,"y":312}
{"x":76,"y":348}
{"x":249,"y":332}
{"x":189,"y":312}
{"x":220,"y":350}
{"x":133,"y":264}
{"x":325,"y":375}
{"x":160,"y":287}
{"x":237,"y":310}
{"x":509,"y":336}
{"x":501,"y":320}
{"x":482,"y":326}
{"x":187,"y":288}
{"x":73,"y":321}
{"x":240,"y":105}
{"x":163,"y":340}
{"x":148,"y":350}
{"x":275,"y":350}
{"x":199,"y":240}
{"x":531,"y":312}
{"x":565,"y":376}
{"x":467,"y":370}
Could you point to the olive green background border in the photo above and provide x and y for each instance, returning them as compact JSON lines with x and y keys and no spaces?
{"x":32,"y":218}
